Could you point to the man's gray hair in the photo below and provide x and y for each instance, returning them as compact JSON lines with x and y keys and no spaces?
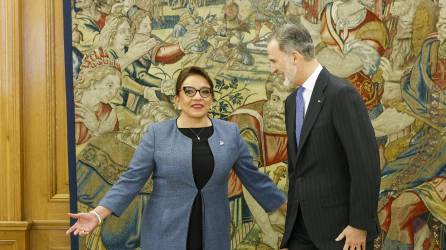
{"x":295,"y":37}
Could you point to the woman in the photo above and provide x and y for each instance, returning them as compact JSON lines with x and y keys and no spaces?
{"x":97,"y":85}
{"x":189,"y":159}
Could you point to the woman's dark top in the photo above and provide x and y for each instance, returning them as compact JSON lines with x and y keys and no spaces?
{"x":202,"y":168}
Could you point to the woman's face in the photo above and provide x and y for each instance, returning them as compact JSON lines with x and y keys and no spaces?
{"x":123,"y":34}
{"x":145,"y":27}
{"x":195,"y":106}
{"x":106,"y":89}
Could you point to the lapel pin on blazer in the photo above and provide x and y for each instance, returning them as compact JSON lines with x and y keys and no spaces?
{"x":221,"y":143}
{"x":319,"y":101}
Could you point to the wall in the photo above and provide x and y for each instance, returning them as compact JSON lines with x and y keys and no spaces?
{"x":33,"y":169}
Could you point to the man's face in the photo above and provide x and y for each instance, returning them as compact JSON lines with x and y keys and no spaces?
{"x":282,"y":63}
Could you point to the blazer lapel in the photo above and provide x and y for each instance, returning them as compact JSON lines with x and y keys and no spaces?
{"x":315,"y":106}
{"x":291,"y":125}
{"x":183,"y":147}
{"x":218,"y":144}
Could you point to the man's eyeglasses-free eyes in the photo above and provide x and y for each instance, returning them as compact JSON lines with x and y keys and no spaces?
{"x":205,"y":92}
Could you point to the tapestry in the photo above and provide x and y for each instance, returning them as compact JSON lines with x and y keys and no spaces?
{"x":123,"y":57}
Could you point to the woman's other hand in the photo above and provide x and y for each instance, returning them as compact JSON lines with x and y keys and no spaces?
{"x":86,"y":223}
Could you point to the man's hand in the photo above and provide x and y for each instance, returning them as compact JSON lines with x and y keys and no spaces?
{"x":354,"y":238}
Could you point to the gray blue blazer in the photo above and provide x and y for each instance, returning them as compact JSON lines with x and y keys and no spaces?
{"x":166,"y":153}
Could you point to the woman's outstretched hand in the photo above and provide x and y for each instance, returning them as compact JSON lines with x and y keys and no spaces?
{"x":86,"y":223}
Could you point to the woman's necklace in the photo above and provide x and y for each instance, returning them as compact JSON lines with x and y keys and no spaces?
{"x":196,"y":134}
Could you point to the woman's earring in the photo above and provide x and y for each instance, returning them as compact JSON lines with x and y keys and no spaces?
{"x":177,"y":107}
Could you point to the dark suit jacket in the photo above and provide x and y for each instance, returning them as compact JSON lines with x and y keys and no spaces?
{"x":334,"y":176}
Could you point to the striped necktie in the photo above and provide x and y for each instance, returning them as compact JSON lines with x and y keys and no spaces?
{"x":300,"y":113}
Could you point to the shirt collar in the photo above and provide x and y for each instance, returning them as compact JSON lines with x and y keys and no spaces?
{"x":311,"y":81}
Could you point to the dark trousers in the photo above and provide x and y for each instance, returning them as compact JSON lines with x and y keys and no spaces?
{"x":300,"y":240}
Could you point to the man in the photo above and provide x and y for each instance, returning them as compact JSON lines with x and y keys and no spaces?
{"x":333,"y":160}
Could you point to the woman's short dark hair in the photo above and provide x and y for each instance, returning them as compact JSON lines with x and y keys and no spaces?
{"x":192,"y":70}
